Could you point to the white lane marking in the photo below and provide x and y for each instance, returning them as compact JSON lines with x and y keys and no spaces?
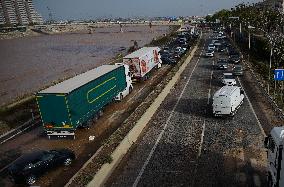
{"x":202,"y":139}
{"x":209,"y":95}
{"x":164,"y":128}
{"x":211,"y":77}
{"x":258,"y":122}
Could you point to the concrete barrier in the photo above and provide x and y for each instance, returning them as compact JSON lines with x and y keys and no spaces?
{"x":106,"y":170}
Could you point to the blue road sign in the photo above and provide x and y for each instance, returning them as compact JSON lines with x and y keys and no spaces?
{"x":279,"y":74}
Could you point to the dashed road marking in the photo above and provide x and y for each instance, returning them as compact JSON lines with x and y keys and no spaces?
{"x":202,"y":139}
{"x":258,"y":122}
{"x":165,"y":127}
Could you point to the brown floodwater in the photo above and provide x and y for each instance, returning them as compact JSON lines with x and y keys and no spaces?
{"x":32,"y":63}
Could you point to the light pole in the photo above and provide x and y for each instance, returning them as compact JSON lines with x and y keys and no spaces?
{"x":250,"y":27}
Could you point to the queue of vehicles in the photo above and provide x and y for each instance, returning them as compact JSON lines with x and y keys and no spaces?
{"x":229,"y":98}
{"x":176,"y":48}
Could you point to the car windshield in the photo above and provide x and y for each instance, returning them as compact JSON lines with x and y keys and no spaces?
{"x":235,"y":56}
{"x":238,"y":68}
{"x":222,"y":62}
{"x":228,"y":77}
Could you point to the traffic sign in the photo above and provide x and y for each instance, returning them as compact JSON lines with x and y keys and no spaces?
{"x":279,"y":74}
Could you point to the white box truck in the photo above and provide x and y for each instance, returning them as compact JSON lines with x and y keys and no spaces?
{"x":142,"y":61}
{"x":275,"y":163}
{"x":227,"y":100}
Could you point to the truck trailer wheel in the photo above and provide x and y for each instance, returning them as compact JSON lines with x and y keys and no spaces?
{"x":95,"y":118}
{"x":120,"y":96}
{"x":101,"y":113}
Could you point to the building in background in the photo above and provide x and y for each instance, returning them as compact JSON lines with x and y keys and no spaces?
{"x":18,"y":12}
{"x":33,"y":16}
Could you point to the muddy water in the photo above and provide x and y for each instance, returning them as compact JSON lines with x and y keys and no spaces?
{"x":30,"y":64}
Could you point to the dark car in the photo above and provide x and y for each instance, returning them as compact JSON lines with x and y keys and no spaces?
{"x":168,"y":60}
{"x":222,"y":64}
{"x":29,"y":167}
{"x":238,"y":70}
{"x":235,"y":58}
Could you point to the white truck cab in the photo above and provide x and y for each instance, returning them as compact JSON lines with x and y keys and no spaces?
{"x":274,"y":143}
{"x":129,"y":86}
{"x":227,"y":100}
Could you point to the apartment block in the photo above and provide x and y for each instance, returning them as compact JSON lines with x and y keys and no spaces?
{"x":18,"y":12}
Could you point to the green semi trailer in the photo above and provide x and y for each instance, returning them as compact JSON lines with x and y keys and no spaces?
{"x":79,"y":101}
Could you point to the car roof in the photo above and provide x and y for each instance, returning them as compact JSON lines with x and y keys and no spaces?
{"x":28,"y":157}
{"x":227,"y":74}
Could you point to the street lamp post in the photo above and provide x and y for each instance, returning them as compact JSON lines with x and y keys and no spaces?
{"x":250,"y":27}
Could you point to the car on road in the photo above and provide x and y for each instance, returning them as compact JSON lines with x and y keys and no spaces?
{"x":235,"y":58}
{"x":222,"y":64}
{"x":229,"y":79}
{"x":28,"y":167}
{"x":180,"y":50}
{"x":209,"y":53}
{"x":211,"y":47}
{"x":168,"y":60}
{"x":238,"y":70}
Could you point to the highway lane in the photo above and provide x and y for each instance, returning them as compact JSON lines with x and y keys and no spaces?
{"x":185,"y":145}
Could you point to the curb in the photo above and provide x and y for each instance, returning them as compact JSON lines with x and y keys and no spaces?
{"x":106,"y":169}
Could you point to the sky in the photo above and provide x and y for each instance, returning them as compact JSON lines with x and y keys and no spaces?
{"x":91,"y":9}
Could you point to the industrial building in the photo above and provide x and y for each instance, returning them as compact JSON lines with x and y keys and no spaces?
{"x":18,"y":12}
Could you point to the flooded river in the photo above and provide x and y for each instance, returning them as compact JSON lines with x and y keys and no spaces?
{"x":32,"y":63}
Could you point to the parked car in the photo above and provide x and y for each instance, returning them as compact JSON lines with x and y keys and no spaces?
{"x":238,"y":70}
{"x":209,"y":53}
{"x":180,"y":50}
{"x":168,"y":60}
{"x":29,"y":167}
{"x":166,"y":49}
{"x":222,"y":64}
{"x":229,"y":79}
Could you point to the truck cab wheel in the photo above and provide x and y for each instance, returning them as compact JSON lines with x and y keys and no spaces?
{"x":130,"y":89}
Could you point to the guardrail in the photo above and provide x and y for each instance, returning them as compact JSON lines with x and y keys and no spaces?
{"x":14,"y":132}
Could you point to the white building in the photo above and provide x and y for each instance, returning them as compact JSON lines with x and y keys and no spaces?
{"x":33,"y":16}
{"x":22,"y":12}
{"x":2,"y":18}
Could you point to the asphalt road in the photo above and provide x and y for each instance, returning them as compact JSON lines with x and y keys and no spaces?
{"x":184,"y":145}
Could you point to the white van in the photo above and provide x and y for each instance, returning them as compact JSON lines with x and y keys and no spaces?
{"x":227,"y":100}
